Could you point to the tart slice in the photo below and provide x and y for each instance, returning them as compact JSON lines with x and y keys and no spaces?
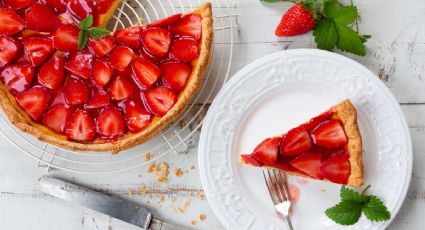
{"x":117,"y":91}
{"x":328,"y":147}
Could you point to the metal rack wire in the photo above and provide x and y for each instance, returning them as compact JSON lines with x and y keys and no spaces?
{"x":181,"y":135}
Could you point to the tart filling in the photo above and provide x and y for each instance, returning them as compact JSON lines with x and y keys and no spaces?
{"x":328,"y":147}
{"x":118,"y":91}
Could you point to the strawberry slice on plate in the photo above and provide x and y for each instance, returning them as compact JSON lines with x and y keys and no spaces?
{"x":65,"y":38}
{"x":38,"y":49}
{"x":9,"y":48}
{"x":156,"y":40}
{"x":80,"y":64}
{"x":120,"y":57}
{"x":17,"y":78}
{"x":129,"y":37}
{"x":101,"y":47}
{"x":145,"y":73}
{"x":136,"y":115}
{"x":309,"y":164}
{"x":41,"y":18}
{"x":185,"y":50}
{"x":52,"y":73}
{"x":189,"y":25}
{"x":110,"y":123}
{"x":160,"y":100}
{"x":76,"y":92}
{"x":55,"y":118}
{"x":266,"y":152}
{"x":10,"y":22}
{"x":329,"y":134}
{"x":295,"y":142}
{"x":250,"y":159}
{"x":99,"y":98}
{"x":121,"y":88}
{"x":102,"y":72}
{"x":165,"y":22}
{"x":34,"y":101}
{"x":18,"y":4}
{"x":337,"y":168}
{"x":175,"y":75}
{"x":80,"y":126}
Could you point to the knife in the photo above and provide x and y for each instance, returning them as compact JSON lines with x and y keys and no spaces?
{"x":113,"y":206}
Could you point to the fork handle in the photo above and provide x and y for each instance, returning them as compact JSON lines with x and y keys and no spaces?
{"x":288,"y":222}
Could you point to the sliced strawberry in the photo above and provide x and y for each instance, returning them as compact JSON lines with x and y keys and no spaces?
{"x":9,"y":48}
{"x":145,"y":73}
{"x":185,"y":50}
{"x":156,"y":40}
{"x":121,"y":88}
{"x":80,"y":126}
{"x":58,"y":97}
{"x":309,"y":163}
{"x":56,"y":117}
{"x":18,"y":4}
{"x":329,"y":134}
{"x":10,"y":22}
{"x":250,"y":159}
{"x":52,"y":73}
{"x":175,"y":75}
{"x":59,"y":6}
{"x":65,"y":38}
{"x":99,"y":98}
{"x":165,"y":22}
{"x":76,"y":92}
{"x":101,"y":47}
{"x":120,"y":57}
{"x":315,"y":121}
{"x":38,"y":49}
{"x":136,"y":115}
{"x":129,"y":37}
{"x":41,"y":18}
{"x":102,"y":72}
{"x":80,"y":9}
{"x":103,"y":6}
{"x":266,"y":152}
{"x":189,"y":25}
{"x":160,"y":100}
{"x":80,"y":64}
{"x":17,"y":78}
{"x":35,"y":101}
{"x":337,"y":168}
{"x":295,"y":142}
{"x":110,"y":123}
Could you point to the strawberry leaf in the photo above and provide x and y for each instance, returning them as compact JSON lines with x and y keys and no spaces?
{"x":325,"y":34}
{"x":342,"y":15}
{"x":345,"y":213}
{"x":350,"y":41}
{"x":375,"y":209}
{"x":97,"y":32}
{"x":349,"y":194}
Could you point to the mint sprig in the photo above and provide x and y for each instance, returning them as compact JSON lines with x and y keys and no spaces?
{"x":353,"y":203}
{"x":87,"y":31}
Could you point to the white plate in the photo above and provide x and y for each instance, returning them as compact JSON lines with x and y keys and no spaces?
{"x":278,"y":92}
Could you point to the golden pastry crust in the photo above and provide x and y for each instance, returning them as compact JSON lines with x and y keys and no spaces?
{"x":21,"y":119}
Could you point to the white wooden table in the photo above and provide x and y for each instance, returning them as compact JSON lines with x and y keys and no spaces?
{"x":396,"y":53}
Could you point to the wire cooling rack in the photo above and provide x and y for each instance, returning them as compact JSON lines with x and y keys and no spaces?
{"x":179,"y":136}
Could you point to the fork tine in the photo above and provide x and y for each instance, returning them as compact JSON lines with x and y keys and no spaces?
{"x":269,"y":187}
{"x":284,"y":185}
{"x":278,"y":184}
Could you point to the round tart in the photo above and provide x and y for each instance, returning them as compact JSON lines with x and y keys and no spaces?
{"x":110,"y":95}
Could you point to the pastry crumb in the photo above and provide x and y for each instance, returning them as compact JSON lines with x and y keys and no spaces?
{"x":161,"y":172}
{"x":202,"y":217}
{"x":142,"y":189}
{"x":193,"y":222}
{"x":323,"y":190}
{"x":173,"y":200}
{"x":179,"y":172}
{"x":193,"y":167}
{"x":183,"y":208}
{"x":200,"y":196}
{"x":151,"y":168}
{"x":130,"y":192}
{"x":148,"y":156}
{"x":161,"y":199}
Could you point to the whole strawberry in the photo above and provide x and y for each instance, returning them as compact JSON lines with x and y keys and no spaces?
{"x":297,"y":20}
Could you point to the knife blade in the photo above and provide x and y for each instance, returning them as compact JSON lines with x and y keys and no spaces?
{"x":113,"y":206}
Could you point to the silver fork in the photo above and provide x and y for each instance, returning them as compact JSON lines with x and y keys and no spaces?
{"x":276,"y":184}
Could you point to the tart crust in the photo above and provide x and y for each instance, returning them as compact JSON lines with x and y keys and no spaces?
{"x":21,"y":119}
{"x":347,"y":113}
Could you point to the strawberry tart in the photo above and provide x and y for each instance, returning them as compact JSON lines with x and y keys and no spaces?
{"x":71,"y":83}
{"x":328,"y":147}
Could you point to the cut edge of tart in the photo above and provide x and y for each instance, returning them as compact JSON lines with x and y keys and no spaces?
{"x":313,"y":160}
{"x":19,"y":117}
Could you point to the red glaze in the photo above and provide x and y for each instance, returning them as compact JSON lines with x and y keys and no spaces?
{"x":9,"y":48}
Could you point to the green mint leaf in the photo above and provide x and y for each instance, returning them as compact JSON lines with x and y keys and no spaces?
{"x":97,"y":32}
{"x":325,"y":34}
{"x":350,"y":41}
{"x":345,"y":213}
{"x":375,"y":209}
{"x":86,"y":22}
{"x":82,"y":39}
{"x":342,"y":15}
{"x":350,"y":194}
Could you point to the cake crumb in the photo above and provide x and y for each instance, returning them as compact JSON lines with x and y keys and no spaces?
{"x":193,"y":222}
{"x":193,"y":167}
{"x":200,"y":196}
{"x":151,"y":168}
{"x":161,"y":172}
{"x":130,"y":192}
{"x":183,"y":208}
{"x":148,"y":156}
{"x":173,"y":200}
{"x":179,"y":172}
{"x":202,"y":217}
{"x":142,"y":189}
{"x":161,"y":199}
{"x":323,"y":190}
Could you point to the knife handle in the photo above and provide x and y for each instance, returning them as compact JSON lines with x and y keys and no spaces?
{"x":161,"y":225}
